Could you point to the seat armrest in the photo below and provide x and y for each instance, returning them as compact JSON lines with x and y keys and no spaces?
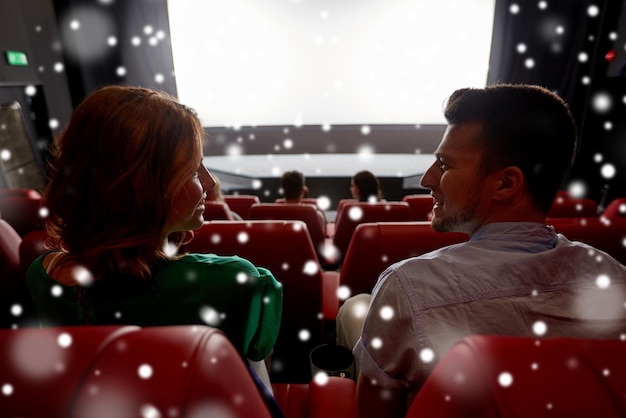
{"x":330,"y":300}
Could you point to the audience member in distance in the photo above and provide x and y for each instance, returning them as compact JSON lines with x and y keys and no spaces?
{"x":365,"y":187}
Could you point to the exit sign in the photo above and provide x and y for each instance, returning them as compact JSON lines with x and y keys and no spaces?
{"x":16,"y":58}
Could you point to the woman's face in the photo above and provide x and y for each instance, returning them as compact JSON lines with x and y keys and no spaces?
{"x":188,"y":205}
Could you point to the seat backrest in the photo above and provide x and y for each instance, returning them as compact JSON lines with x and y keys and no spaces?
{"x":217,"y":211}
{"x":309,"y":200}
{"x":510,"y":377}
{"x":286,"y":249}
{"x":570,"y":207}
{"x":302,"y":200}
{"x":421,"y":206}
{"x":309,"y":213}
{"x":608,"y":235}
{"x":375,"y":246}
{"x":355,"y":213}
{"x":341,"y":204}
{"x":124,"y":371}
{"x":240,"y":203}
{"x":22,"y":208}
{"x":615,"y":209}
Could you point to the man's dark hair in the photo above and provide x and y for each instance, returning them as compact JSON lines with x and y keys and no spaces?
{"x":525,"y":126}
{"x":292,"y":183}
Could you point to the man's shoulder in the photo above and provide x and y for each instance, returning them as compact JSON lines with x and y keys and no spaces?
{"x":439,"y":257}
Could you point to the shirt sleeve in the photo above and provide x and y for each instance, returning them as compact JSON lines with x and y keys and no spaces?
{"x":387,"y":352}
{"x":270,"y":313}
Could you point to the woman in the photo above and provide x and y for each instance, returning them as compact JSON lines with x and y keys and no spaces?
{"x":127,"y":188}
{"x":365,"y":187}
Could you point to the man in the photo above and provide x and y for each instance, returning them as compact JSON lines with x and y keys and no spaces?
{"x":293,"y":186}
{"x":498,"y":168}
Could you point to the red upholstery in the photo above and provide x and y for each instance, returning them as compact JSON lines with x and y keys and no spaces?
{"x":22,"y":208}
{"x":240,"y":203}
{"x":293,"y":399}
{"x":551,"y":378}
{"x":285,"y":248}
{"x":335,"y":398}
{"x":310,"y":214}
{"x":312,"y":200}
{"x":217,"y":211}
{"x":608,"y":235}
{"x":117,"y":371}
{"x":616,"y":209}
{"x":342,"y":203}
{"x":569,"y":207}
{"x":354,"y":213}
{"x":421,"y":206}
{"x":375,"y":246}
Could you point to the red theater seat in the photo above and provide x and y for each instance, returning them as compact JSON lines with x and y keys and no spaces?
{"x":608,"y":235}
{"x":355,"y":213}
{"x":217,"y":211}
{"x":286,"y":249}
{"x":421,"y":206}
{"x":514,"y":377}
{"x":124,"y":371}
{"x":22,"y":208}
{"x":240,"y":203}
{"x":616,"y":209}
{"x":569,"y":207}
{"x":374,"y":247}
{"x":311,"y":200}
{"x":308,"y":213}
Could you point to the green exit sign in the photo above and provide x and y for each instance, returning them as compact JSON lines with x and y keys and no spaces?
{"x":16,"y":58}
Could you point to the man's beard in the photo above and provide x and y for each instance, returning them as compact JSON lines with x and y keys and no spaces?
{"x":464,"y":221}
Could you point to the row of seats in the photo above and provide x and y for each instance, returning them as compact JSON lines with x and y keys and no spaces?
{"x":331,"y":240}
{"x":123,"y":371}
{"x":564,"y":206}
{"x":22,"y":208}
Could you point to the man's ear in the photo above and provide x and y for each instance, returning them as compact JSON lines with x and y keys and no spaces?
{"x":510,"y":181}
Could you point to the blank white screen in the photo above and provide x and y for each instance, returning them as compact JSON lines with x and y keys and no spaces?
{"x":295,"y":62}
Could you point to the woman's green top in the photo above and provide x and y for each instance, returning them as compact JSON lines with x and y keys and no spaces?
{"x":228,"y":293}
